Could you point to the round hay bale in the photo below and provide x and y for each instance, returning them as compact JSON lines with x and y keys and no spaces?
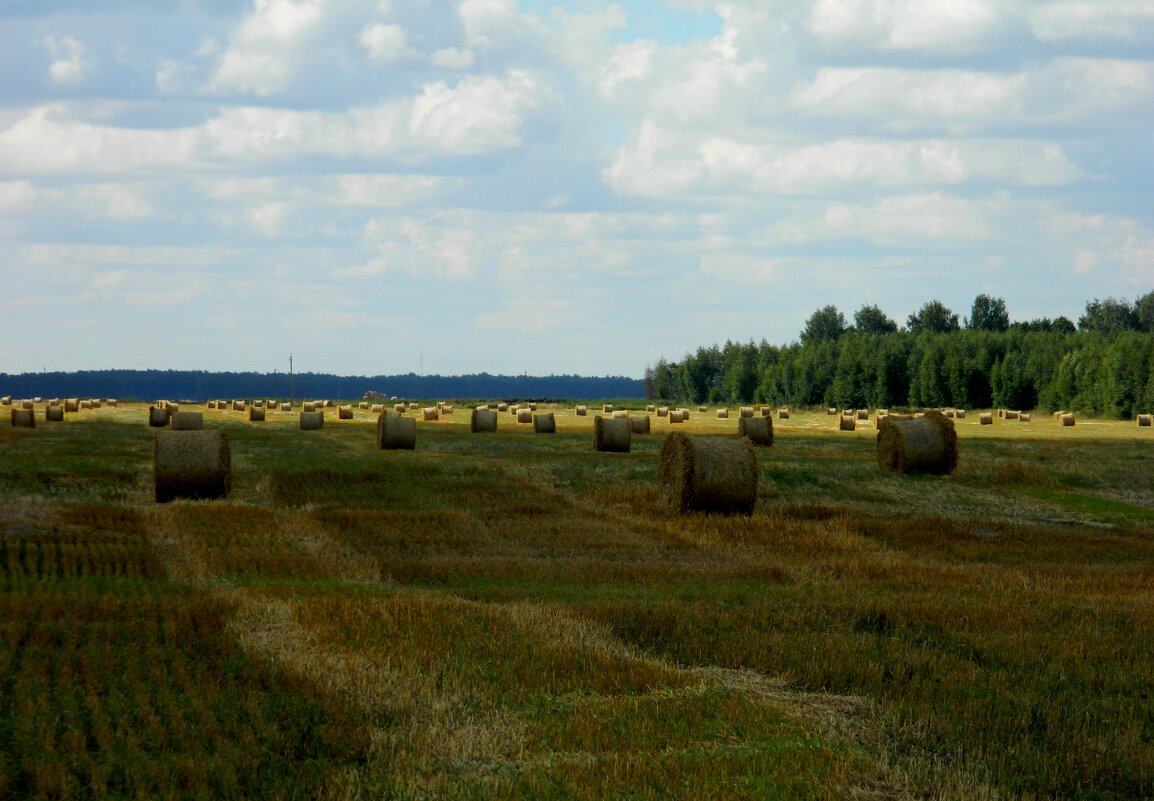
{"x":621,"y":413}
{"x":312,"y":421}
{"x":344,"y":412}
{"x":928,"y":444}
{"x":1068,"y":419}
{"x":364,"y":405}
{"x":502,"y":407}
{"x":831,"y":411}
{"x":157,"y":417}
{"x":210,"y":404}
{"x":684,"y":413}
{"x":758,"y":430}
{"x":746,"y":411}
{"x":1023,"y":417}
{"x":676,"y":416}
{"x":483,"y":420}
{"x":723,"y":414}
{"x":256,"y":414}
{"x":701,"y":409}
{"x":186,"y":421}
{"x":377,"y":408}
{"x":72,"y":404}
{"x":544,"y":423}
{"x":1011,"y":415}
{"x":607,"y":408}
{"x":54,"y":414}
{"x":783,"y":414}
{"x":986,"y":418}
{"x":847,"y":422}
{"x":85,"y":404}
{"x":662,"y":411}
{"x":286,"y":407}
{"x":399,"y":408}
{"x":258,"y":403}
{"x":612,"y":434}
{"x":23,"y":418}
{"x":707,"y":474}
{"x":27,"y":404}
{"x":239,"y":405}
{"x":649,"y":407}
{"x":950,"y":413}
{"x":310,"y":406}
{"x":863,"y":414}
{"x":396,"y":432}
{"x":429,"y":414}
{"x":524,"y":416}
{"x":413,"y":406}
{"x":533,"y":406}
{"x":6,"y":400}
{"x":1145,"y":420}
{"x":960,"y":414}
{"x":581,"y":411}
{"x":639,"y":424}
{"x":766,"y":411}
{"x":191,"y":464}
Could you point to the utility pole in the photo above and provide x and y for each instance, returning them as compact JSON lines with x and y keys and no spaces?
{"x":292,"y":393}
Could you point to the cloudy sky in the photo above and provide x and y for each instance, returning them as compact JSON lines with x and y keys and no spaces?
{"x":455,"y":186}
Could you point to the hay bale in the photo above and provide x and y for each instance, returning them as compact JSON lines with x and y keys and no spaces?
{"x":286,"y":407}
{"x":1023,"y":417}
{"x":960,"y":414}
{"x":758,"y":430}
{"x":847,"y":422}
{"x":310,"y":406}
{"x":258,"y":403}
{"x":72,"y":404}
{"x":364,"y":405}
{"x":708,"y":474}
{"x":532,"y":406}
{"x":430,"y":414}
{"x":612,"y":434}
{"x":1011,"y":415}
{"x":783,"y":414}
{"x":502,"y":407}
{"x":986,"y":418}
{"x":746,"y":411}
{"x":396,"y":432}
{"x":6,"y":400}
{"x":413,"y":406}
{"x":210,"y":404}
{"x":23,"y":418}
{"x":928,"y":444}
{"x":524,"y":416}
{"x":701,"y":409}
{"x":312,"y":421}
{"x":344,"y":412}
{"x":863,"y":414}
{"x":684,"y":413}
{"x":676,"y":416}
{"x":950,"y":413}
{"x":157,"y":417}
{"x":544,"y":423}
{"x":831,"y":411}
{"x":54,"y":414}
{"x":766,"y":411}
{"x":191,"y":464}
{"x":662,"y":411}
{"x":607,"y":408}
{"x":639,"y":423}
{"x":723,"y":414}
{"x":621,"y":413}
{"x":1068,"y":419}
{"x":239,"y":405}
{"x":649,"y":407}
{"x":27,"y":404}
{"x":1145,"y":420}
{"x":186,"y":421}
{"x":581,"y":411}
{"x":256,"y":414}
{"x":377,"y":408}
{"x":483,"y":420}
{"x":399,"y":408}
{"x":85,"y":404}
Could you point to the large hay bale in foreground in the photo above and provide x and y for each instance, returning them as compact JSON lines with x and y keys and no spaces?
{"x":396,"y":432}
{"x":191,"y":464}
{"x":927,"y":444}
{"x":312,"y":421}
{"x":483,"y":420}
{"x":758,"y":430}
{"x":53,"y":414}
{"x":544,"y":423}
{"x":186,"y":421}
{"x":707,"y":474}
{"x":612,"y":434}
{"x":847,"y":422}
{"x":639,"y":423}
{"x":157,"y":417}
{"x":23,"y":418}
{"x":256,"y":414}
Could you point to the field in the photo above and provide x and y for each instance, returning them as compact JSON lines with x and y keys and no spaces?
{"x":511,"y":616}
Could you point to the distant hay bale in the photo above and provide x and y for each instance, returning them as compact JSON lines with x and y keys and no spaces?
{"x":191,"y":464}
{"x":544,"y":423}
{"x":186,"y":421}
{"x":662,"y":411}
{"x":676,"y":416}
{"x":746,"y":411}
{"x":377,"y":408}
{"x":72,"y":404}
{"x":1068,"y":419}
{"x":53,"y":414}
{"x":1145,"y":420}
{"x":157,"y":417}
{"x":701,"y":409}
{"x":286,"y":406}
{"x":413,"y":406}
{"x":1009,"y":415}
{"x":396,"y":432}
{"x":27,"y":404}
{"x":239,"y":405}
{"x":210,"y":404}
{"x":364,"y":405}
{"x":863,"y":414}
{"x":847,"y":422}
{"x":524,"y":416}
{"x":607,"y":408}
{"x":581,"y":411}
{"x":310,"y":406}
{"x":446,"y":408}
{"x":533,"y":406}
{"x":783,"y":414}
{"x":758,"y":430}
{"x":502,"y":407}
{"x":1001,"y":412}
{"x":399,"y":408}
{"x":722,"y":414}
{"x":312,"y":421}
{"x":23,"y":418}
{"x":1058,"y":416}
{"x":430,"y":414}
{"x":985,"y":418}
{"x":767,"y":412}
{"x":707,"y":474}
{"x":950,"y":413}
{"x":344,"y":412}
{"x":258,"y":403}
{"x":612,"y":434}
{"x":6,"y":400}
{"x":831,"y":411}
{"x":1023,"y":417}
{"x":256,"y":414}
{"x":960,"y":414}
{"x":684,"y":413}
{"x":621,"y":413}
{"x":649,"y":407}
{"x":928,"y":444}
{"x":639,"y":423}
{"x":483,"y":420}
{"x":85,"y":404}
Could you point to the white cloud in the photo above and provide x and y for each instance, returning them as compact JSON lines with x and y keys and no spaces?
{"x":479,"y":114}
{"x":452,"y":58}
{"x":263,"y":49}
{"x":385,"y":43}
{"x":71,"y":63}
{"x":951,"y":28}
{"x":1129,"y":21}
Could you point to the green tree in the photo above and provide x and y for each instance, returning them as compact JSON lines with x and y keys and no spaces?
{"x":988,"y":314}
{"x":1109,"y":316}
{"x":824,"y":325}
{"x":872,"y":320}
{"x":933,"y":318}
{"x":1144,"y":313}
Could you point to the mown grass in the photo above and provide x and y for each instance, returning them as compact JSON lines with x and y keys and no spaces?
{"x":510,"y":616}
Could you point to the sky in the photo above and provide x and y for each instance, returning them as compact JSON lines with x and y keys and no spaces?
{"x":463,"y":186}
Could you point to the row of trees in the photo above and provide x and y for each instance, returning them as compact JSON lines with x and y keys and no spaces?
{"x":1104,"y":365}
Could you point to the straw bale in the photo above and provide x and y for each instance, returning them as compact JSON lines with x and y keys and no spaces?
{"x":210,"y":404}
{"x":533,"y":406}
{"x":612,"y":434}
{"x":847,"y":422}
{"x":723,"y":414}
{"x":544,"y":423}
{"x":502,"y":407}
{"x":684,"y":413}
{"x":396,"y":432}
{"x":767,"y":412}
{"x":399,"y":408}
{"x":259,"y":403}
{"x":649,"y":407}
{"x":312,"y":421}
{"x":1011,"y":415}
{"x":831,"y":411}
{"x":286,"y":406}
{"x":256,"y":414}
{"x":27,"y":403}
{"x":927,"y":444}
{"x":310,"y":406}
{"x":1068,"y":419}
{"x":157,"y":417}
{"x":1023,"y":417}
{"x":524,"y":416}
{"x":783,"y":414}
{"x":758,"y":430}
{"x":701,"y":409}
{"x":377,"y":408}
{"x":639,"y":423}
{"x":364,"y":404}
{"x":446,"y":408}
{"x":430,"y":413}
{"x":71,"y":404}
{"x":621,"y":413}
{"x":986,"y":418}
{"x":23,"y":418}
{"x":186,"y":421}
{"x":863,"y":414}
{"x":53,"y":414}
{"x":239,"y":405}
{"x":960,"y":414}
{"x":708,"y":474}
{"x":85,"y":404}
{"x":191,"y":464}
{"x":676,"y":416}
{"x":6,"y":400}
{"x":746,"y":411}
{"x":662,"y":411}
{"x":1144,"y":420}
{"x":483,"y":420}
{"x":413,"y":406}
{"x":607,"y":408}
{"x":344,"y":412}
{"x":581,"y":411}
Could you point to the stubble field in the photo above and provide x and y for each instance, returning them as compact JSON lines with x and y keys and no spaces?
{"x":511,"y":616}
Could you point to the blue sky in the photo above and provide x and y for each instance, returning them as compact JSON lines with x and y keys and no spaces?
{"x":382,"y":186}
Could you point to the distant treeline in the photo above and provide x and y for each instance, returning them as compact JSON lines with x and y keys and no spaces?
{"x":149,"y":385}
{"x":1103,"y":366}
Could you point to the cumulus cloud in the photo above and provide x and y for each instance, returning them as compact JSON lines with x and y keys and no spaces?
{"x":1130,"y":21}
{"x":260,"y":56}
{"x":71,"y":63}
{"x":957,"y":27}
{"x":477,"y":115}
{"x":384,"y":43}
